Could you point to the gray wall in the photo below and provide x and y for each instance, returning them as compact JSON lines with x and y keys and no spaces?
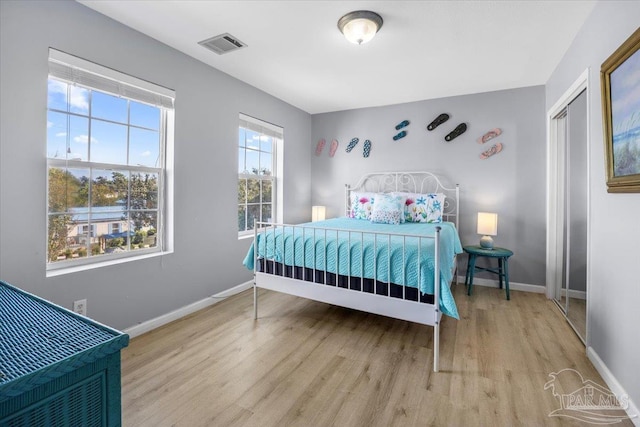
{"x":511,"y":183}
{"x":208,"y":255}
{"x":614,"y":288}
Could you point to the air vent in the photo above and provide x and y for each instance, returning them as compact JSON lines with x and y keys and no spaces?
{"x":223,"y":43}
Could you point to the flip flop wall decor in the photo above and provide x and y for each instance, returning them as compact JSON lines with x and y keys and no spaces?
{"x":438,"y":121}
{"x":493,"y":133}
{"x":352,"y":144}
{"x":495,"y":149}
{"x":459,"y":130}
{"x":333,"y":148}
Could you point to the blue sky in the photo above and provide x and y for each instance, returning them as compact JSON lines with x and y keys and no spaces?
{"x":258,"y":151}
{"x":103,"y":136}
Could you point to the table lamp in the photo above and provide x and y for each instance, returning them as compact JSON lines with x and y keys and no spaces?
{"x":318,"y":213}
{"x":487,"y":226}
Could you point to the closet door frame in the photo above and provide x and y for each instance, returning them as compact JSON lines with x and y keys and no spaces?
{"x":555,"y":167}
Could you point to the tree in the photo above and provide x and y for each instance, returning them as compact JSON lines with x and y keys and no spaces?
{"x":63,"y":193}
{"x":143,"y":200}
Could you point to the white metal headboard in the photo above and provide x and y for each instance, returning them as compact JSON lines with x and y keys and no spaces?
{"x":409,"y":182}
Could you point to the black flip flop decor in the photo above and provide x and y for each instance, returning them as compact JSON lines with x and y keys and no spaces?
{"x":459,"y":130}
{"x":438,"y":121}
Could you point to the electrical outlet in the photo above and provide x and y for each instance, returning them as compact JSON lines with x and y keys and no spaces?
{"x":80,"y":307}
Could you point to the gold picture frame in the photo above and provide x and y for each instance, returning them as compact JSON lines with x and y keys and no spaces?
{"x":621,"y":116}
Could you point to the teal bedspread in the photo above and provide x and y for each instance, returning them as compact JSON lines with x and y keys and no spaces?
{"x":347,"y":246}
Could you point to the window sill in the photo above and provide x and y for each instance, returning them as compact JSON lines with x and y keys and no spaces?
{"x":78,"y":268}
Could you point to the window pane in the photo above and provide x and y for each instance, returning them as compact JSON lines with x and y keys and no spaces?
{"x":58,"y":229}
{"x":242,"y":191}
{"x":266,"y":163}
{"x":253,"y":214}
{"x":241,"y":168}
{"x":266,"y":213}
{"x":266,"y":143}
{"x":103,"y":216}
{"x":66,"y":189}
{"x":144,"y":231}
{"x":114,"y":243}
{"x":56,"y":135}
{"x":253,"y":191}
{"x":144,"y":147}
{"x":252,"y":161}
{"x":109,"y":107}
{"x":144,"y":115}
{"x":242,"y":220}
{"x":266,"y":191}
{"x":108,"y":143}
{"x":109,"y":188}
{"x":252,"y":139}
{"x":78,"y":138}
{"x":241,"y":137}
{"x":78,"y":100}
{"x":57,"y":95}
{"x":144,"y":191}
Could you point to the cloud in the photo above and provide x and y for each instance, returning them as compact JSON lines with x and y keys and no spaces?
{"x":77,"y":97}
{"x":49,"y":124}
{"x":83,"y":139}
{"x":61,"y":134}
{"x":145,"y":153}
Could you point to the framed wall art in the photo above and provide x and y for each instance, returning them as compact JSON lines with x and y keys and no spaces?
{"x":620,"y":81}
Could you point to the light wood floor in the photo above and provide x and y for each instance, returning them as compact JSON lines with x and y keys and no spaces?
{"x":310,"y":364}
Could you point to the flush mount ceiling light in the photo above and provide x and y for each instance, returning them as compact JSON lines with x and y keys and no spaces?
{"x":360,"y":26}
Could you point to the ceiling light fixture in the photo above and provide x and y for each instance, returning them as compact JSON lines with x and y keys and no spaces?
{"x":360,"y":26}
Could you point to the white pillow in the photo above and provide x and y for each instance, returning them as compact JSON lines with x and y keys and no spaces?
{"x":361,"y":205}
{"x":388,"y":209}
{"x":424,"y":207}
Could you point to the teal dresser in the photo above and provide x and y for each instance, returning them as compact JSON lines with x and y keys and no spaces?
{"x":56,"y":368}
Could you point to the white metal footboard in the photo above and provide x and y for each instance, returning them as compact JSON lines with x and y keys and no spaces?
{"x":351,"y":296}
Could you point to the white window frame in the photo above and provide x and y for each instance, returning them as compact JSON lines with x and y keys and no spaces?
{"x":94,"y":77}
{"x":277,"y":133}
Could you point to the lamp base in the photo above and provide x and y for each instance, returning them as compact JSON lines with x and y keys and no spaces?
{"x":486,"y":242}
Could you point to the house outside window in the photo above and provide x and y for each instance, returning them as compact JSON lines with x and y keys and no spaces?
{"x":107,"y":140}
{"x":258,"y":145}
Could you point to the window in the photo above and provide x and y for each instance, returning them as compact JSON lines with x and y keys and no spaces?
{"x":107,"y":146}
{"x":84,"y":230}
{"x":115,"y":228}
{"x":258,"y":144}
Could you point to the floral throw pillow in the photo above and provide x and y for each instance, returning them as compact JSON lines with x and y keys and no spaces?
{"x":424,"y":207}
{"x":388,"y":209}
{"x":361,"y":205}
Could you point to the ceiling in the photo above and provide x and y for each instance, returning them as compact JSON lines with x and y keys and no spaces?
{"x":424,"y":50}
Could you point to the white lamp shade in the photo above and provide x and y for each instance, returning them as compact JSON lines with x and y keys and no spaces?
{"x":360,"y":26}
{"x":487,"y":223}
{"x":318,"y":213}
{"x":360,"y":31}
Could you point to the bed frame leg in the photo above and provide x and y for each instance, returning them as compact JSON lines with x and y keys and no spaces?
{"x":436,"y":345}
{"x":255,"y":302}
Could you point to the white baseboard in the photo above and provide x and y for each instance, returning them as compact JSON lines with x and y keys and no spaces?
{"x":613,"y":384}
{"x":149,"y":325}
{"x":514,"y":286}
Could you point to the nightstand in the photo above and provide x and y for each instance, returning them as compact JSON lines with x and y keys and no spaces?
{"x":502,"y":271}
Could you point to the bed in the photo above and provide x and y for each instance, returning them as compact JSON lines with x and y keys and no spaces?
{"x":370,"y":261}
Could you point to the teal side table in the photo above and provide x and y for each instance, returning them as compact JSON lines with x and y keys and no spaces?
{"x":502,"y":271}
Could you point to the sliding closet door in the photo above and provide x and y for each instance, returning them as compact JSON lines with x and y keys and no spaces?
{"x":576,"y":214}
